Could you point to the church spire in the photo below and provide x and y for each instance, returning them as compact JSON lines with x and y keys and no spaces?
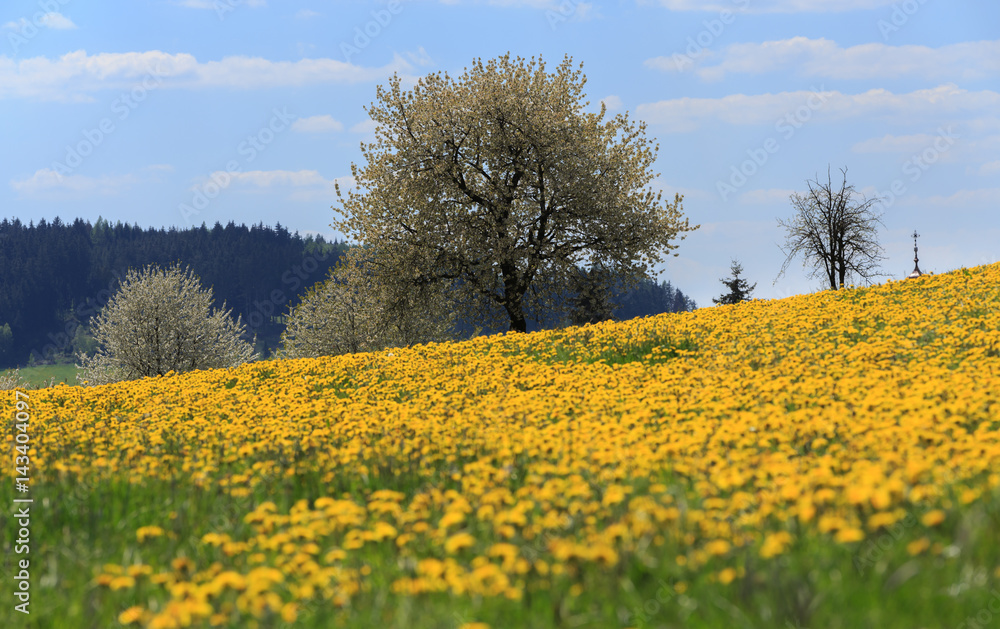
{"x":916,"y":266}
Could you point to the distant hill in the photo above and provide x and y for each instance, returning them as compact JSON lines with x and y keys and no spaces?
{"x":54,"y":276}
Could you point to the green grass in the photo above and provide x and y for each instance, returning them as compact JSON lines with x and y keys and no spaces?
{"x":81,"y":526}
{"x":43,"y":375}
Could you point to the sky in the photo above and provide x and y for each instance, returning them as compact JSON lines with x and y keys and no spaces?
{"x":168,"y":113}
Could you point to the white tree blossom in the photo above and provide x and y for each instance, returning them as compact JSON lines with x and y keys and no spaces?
{"x":353,"y":310}
{"x":162,"y":320}
{"x":501,"y":184}
{"x":11,"y":380}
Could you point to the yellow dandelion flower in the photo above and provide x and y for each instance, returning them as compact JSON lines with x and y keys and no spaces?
{"x":775,"y":544}
{"x":457,"y":542}
{"x":430,"y":567}
{"x":451,"y":518}
{"x":131,"y":615}
{"x":289,"y":612}
{"x":182,"y":564}
{"x":726,"y":576}
{"x":933,"y":518}
{"x":918,"y":546}
{"x":717,"y":547}
{"x":882,"y":520}
{"x":848,"y":535}
{"x":122,"y":583}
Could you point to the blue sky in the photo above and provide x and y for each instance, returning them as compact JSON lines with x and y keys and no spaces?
{"x":177,"y":112}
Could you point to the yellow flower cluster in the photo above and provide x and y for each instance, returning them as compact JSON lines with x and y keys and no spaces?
{"x":514,"y":463}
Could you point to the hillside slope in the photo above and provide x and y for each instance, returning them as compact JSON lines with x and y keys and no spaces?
{"x":824,"y":460}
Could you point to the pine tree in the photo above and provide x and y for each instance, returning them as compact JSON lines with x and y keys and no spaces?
{"x":739,"y":288}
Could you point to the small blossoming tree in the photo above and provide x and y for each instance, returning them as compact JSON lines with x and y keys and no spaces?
{"x":162,"y":320}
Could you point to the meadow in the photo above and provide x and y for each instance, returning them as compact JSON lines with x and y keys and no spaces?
{"x":826,"y":460}
{"x":45,"y":375}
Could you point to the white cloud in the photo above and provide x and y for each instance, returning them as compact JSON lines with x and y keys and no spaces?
{"x":688,"y":114}
{"x":532,"y":4}
{"x":895,"y":144}
{"x":951,"y":143}
{"x":613,"y":103}
{"x":57,"y":21}
{"x":990,"y":168}
{"x":272,"y":178}
{"x":214,"y":4}
{"x":306,"y":14}
{"x":557,"y":11}
{"x":47,"y":184}
{"x":776,"y":6}
{"x":365,"y":126}
{"x":690,"y":194}
{"x":52,"y":19}
{"x":769,"y":196}
{"x":420,"y":57}
{"x":75,"y":75}
{"x":823,"y":58}
{"x":965,"y":199}
{"x":317,"y":124}
{"x":301,"y":185}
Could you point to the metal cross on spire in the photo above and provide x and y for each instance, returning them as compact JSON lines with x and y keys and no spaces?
{"x":916,"y":266}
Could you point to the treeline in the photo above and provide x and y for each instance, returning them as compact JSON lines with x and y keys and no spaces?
{"x":55,"y":276}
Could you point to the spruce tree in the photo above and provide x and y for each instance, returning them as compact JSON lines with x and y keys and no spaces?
{"x":739,"y":288}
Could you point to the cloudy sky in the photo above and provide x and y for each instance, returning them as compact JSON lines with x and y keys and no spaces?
{"x":177,"y":112}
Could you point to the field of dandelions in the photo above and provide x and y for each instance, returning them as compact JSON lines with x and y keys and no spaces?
{"x":827,"y":460}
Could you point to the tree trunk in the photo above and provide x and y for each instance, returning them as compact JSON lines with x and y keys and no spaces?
{"x":513,"y":297}
{"x":517,"y":320}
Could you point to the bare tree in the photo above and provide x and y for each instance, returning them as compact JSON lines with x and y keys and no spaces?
{"x":161,"y":321}
{"x":355,"y":311}
{"x":498,"y":180}
{"x":834,"y":233}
